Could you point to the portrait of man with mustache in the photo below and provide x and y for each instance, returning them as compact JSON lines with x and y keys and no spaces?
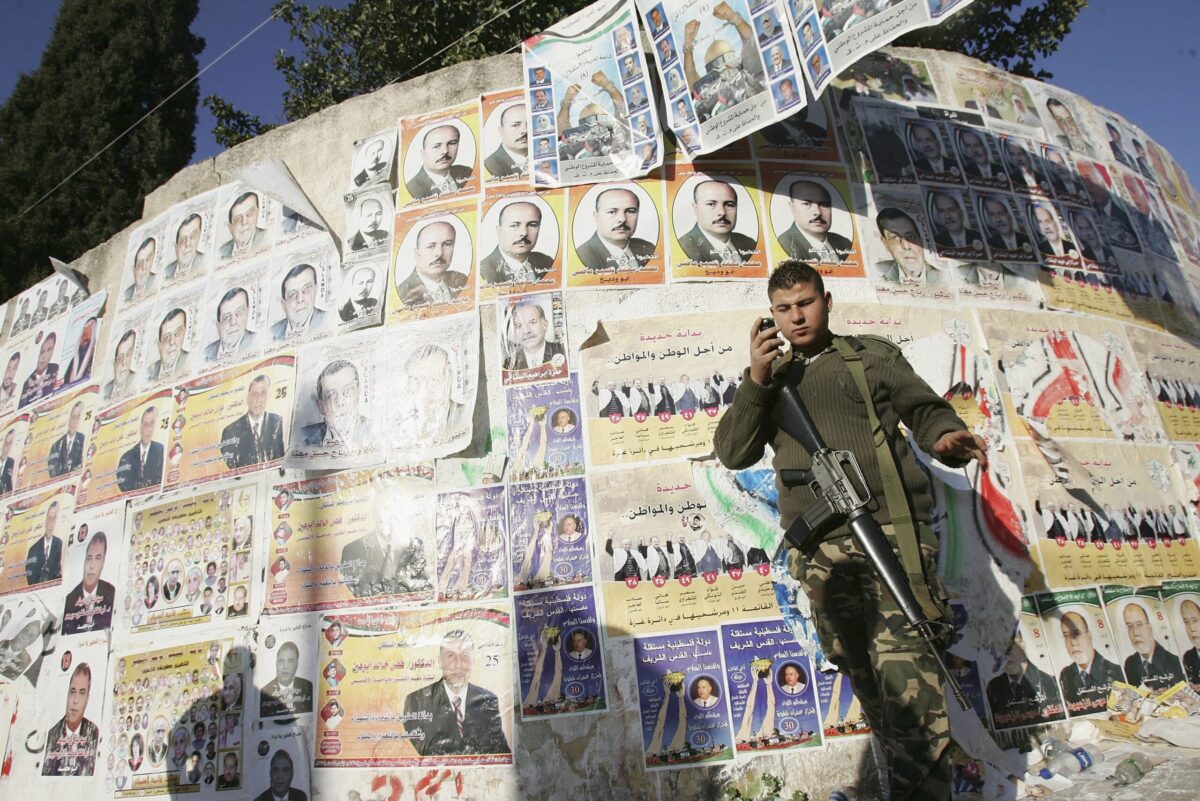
{"x":439,"y":175}
{"x":514,"y":260}
{"x":613,"y":246}
{"x":713,"y":240}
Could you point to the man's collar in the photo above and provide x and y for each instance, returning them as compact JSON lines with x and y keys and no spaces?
{"x":717,"y":243}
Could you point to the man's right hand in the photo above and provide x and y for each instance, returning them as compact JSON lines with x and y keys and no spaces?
{"x":765,"y":348}
{"x":689,"y":33}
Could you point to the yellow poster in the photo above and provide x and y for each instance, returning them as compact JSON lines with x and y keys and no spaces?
{"x":1172,"y":369}
{"x":130,"y":450}
{"x":231,"y":422}
{"x":617,"y":235}
{"x":439,"y":155}
{"x":522,"y":242}
{"x":59,"y":434}
{"x":716,"y":221}
{"x":13,"y":464}
{"x":433,"y":263}
{"x":34,"y":541}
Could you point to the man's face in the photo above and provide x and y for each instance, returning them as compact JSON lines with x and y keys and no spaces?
{"x":455,"y":660}
{"x":143,"y":260}
{"x":230,"y":767}
{"x":791,"y":676}
{"x":529,"y":327}
{"x":123,"y":360}
{"x":617,"y":216}
{"x":656,"y":19}
{"x":285,"y":665}
{"x":1078,"y":640}
{"x":1096,"y":188}
{"x":1017,"y":156}
{"x":998,"y":218}
{"x":1085,"y":231}
{"x":281,"y":775}
{"x":45,"y":352}
{"x":10,"y":370}
{"x":339,"y":397}
{"x":514,"y":132}
{"x":903,"y":241}
{"x":241,"y":529}
{"x":170,"y":338}
{"x":1066,"y":121}
{"x":435,"y":249}
{"x":1137,"y":626}
{"x":926,"y":142}
{"x":802,"y":314}
{"x":77,"y":698}
{"x":1047,"y":225}
{"x":973,"y":147}
{"x":187,"y":241}
{"x":375,"y":154}
{"x":786,"y":90}
{"x":776,"y":58}
{"x":519,"y":226}
{"x":146,"y":427}
{"x":179,"y":742}
{"x":363,"y":282}
{"x":74,"y":419}
{"x":8,"y":441}
{"x":811,"y":208}
{"x":93,"y":564}
{"x":243,"y":221}
{"x":1190,"y":613}
{"x":370,"y":215}
{"x":231,"y":319}
{"x":947,"y":213}
{"x":299,"y":295}
{"x":51,"y":520}
{"x":440,"y":148}
{"x":716,"y":208}
{"x":807,"y":32}
{"x":256,"y":397}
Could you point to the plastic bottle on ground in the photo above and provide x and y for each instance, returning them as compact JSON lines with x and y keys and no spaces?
{"x":1069,"y":761}
{"x":1132,"y":768}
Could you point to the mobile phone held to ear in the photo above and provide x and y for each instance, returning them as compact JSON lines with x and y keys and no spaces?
{"x":765,"y":323}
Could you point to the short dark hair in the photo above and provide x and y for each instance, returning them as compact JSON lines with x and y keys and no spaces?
{"x":85,"y":669}
{"x":293,"y":273}
{"x":171,"y":315}
{"x":791,"y":272}
{"x":130,"y":334}
{"x":230,"y":295}
{"x":239,"y":199}
{"x":99,"y":537}
{"x":187,"y":221}
{"x":891,"y":213}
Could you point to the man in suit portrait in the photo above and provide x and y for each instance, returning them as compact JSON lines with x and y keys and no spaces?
{"x":1002,"y":229}
{"x":511,"y":157}
{"x":902,"y":240}
{"x":123,"y":378}
{"x":432,"y":280}
{"x":360,"y":303}
{"x":713,"y":240}
{"x":43,"y":562}
{"x":7,"y":463}
{"x":300,"y":312}
{"x":1021,"y":692}
{"x":1089,"y":676}
{"x":387,"y":560}
{"x":337,"y":399}
{"x":172,"y":358}
{"x":527,"y":347}
{"x":287,"y":693}
{"x":439,"y":175}
{"x":256,"y":436}
{"x":376,"y":169}
{"x":71,"y":743}
{"x":1117,"y":225}
{"x":976,"y":157}
{"x":66,"y":454}
{"x":282,"y":772}
{"x":1150,"y":663}
{"x":1189,"y":614}
{"x":187,"y":249}
{"x":143,"y":263}
{"x":44,"y":378}
{"x":1091,"y":242}
{"x":243,"y":226}
{"x":809,"y":237}
{"x":233,"y":312}
{"x":89,"y":606}
{"x":371,"y":232}
{"x":451,"y":715}
{"x":141,"y":466}
{"x":927,"y":153}
{"x":8,"y":386}
{"x":950,"y":229}
{"x":514,"y":260}
{"x":613,"y":246}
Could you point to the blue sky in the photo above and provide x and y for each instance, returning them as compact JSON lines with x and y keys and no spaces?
{"x":1139,"y":61}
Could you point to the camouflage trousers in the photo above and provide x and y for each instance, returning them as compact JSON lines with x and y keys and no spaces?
{"x":893,"y":675}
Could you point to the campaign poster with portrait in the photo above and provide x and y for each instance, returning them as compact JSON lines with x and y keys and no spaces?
{"x":1004,"y":228}
{"x":401,"y":667}
{"x":13,"y":435}
{"x":131,"y":341}
{"x":233,"y":324}
{"x":998,"y":95}
{"x":189,"y":560}
{"x":1146,"y":647}
{"x":684,"y":700}
{"x":1113,"y":215}
{"x":26,"y":628}
{"x":369,"y":219}
{"x":589,"y":74}
{"x":150,"y":247}
{"x":439,"y":155}
{"x":957,"y":230}
{"x":617,"y":235}
{"x":521,"y":242}
{"x":551,"y":535}
{"x":657,"y":386}
{"x":1020,"y":686}
{"x":277,"y":761}
{"x":559,"y":658}
{"x":532,"y":334}
{"x":1080,"y":640}
{"x":811,"y":218}
{"x":35,"y":531}
{"x":351,"y":539}
{"x":841,"y":707}
{"x":56,"y":747}
{"x":130,"y":441}
{"x":1172,"y":369}
{"x":81,"y":341}
{"x":339,"y":405}
{"x":1181,"y":602}
{"x":882,"y":137}
{"x":286,"y":668}
{"x":91,"y":568}
{"x":433,"y":265}
{"x":302,"y":293}
{"x":373,"y":160}
{"x":172,"y":335}
{"x":717,"y":224}
{"x":931,"y":152}
{"x":173,"y":711}
{"x":772,"y":689}
{"x":230,"y":422}
{"x":1077,"y":383}
{"x":245,"y":224}
{"x":979,"y":155}
{"x":897,"y":246}
{"x":1149,"y":214}
{"x":57,"y":441}
{"x":39,"y":368}
{"x":472,"y":544}
{"x":1055,"y":243}
{"x":1063,"y":117}
{"x":430,"y":389}
{"x":669,"y":561}
{"x":545,"y":423}
{"x":505,"y":137}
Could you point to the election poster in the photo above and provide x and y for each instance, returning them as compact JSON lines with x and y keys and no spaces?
{"x":545,"y":422}
{"x":1081,"y":641}
{"x":287,"y":671}
{"x":173,"y":335}
{"x":129,"y":348}
{"x":532,"y":332}
{"x":81,"y":340}
{"x":433,"y":263}
{"x":505,"y":137}
{"x":472,"y":544}
{"x":35,"y":529}
{"x":1172,"y":370}
{"x":811,"y":218}
{"x":999,"y":96}
{"x":406,"y":674}
{"x":374,"y":159}
{"x":560,"y":662}
{"x":668,"y":562}
{"x":1181,"y":602}
{"x":684,"y":700}
{"x":303,"y":292}
{"x":588,"y":90}
{"x":521,"y":242}
{"x":551,"y":535}
{"x":898,"y":245}
{"x":772,"y":689}
{"x":91,"y":568}
{"x":1021,"y":690}
{"x":657,"y":387}
{"x":246,"y":224}
{"x":439,"y":156}
{"x":149,"y":250}
{"x":716,"y":221}
{"x":231,"y":422}
{"x":13,"y":464}
{"x":278,"y":765}
{"x":189,"y":560}
{"x":130,"y":441}
{"x":809,"y":134}
{"x":1146,"y":647}
{"x":234,"y":320}
{"x":188,"y":253}
{"x":59,"y":435}
{"x":350,"y":539}
{"x":617,"y":235}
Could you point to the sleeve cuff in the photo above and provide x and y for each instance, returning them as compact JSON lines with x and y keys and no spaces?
{"x":752,"y":392}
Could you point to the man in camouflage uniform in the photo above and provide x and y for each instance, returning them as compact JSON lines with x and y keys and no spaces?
{"x":860,"y":626}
